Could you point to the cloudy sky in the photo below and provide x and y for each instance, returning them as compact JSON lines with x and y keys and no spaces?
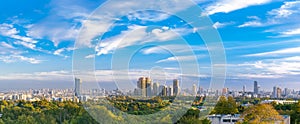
{"x":260,"y":38}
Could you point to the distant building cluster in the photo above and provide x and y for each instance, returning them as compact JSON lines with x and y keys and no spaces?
{"x":41,"y":94}
{"x":276,"y":93}
{"x":146,"y":88}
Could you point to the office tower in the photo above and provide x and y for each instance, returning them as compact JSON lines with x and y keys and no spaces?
{"x":194,"y":89}
{"x":175,"y":87}
{"x":199,"y":90}
{"x":156,"y":89}
{"x":224,"y":91}
{"x":149,"y":86}
{"x":274,"y":95}
{"x":77,"y":87}
{"x":255,"y":87}
{"x":279,"y":92}
{"x":287,"y":91}
{"x":170,"y":91}
{"x":164,"y":90}
{"x":142,"y":86}
{"x":160,"y":90}
{"x":244,"y":89}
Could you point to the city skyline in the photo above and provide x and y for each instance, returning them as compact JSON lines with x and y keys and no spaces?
{"x":37,"y":42}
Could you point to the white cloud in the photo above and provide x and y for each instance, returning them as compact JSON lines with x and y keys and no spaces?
{"x":138,"y":35}
{"x":90,"y":56}
{"x":26,"y":44}
{"x":61,"y":23}
{"x":255,"y":22}
{"x":40,"y":76}
{"x":106,"y":15}
{"x":24,"y":38}
{"x":56,"y":33}
{"x":251,"y":24}
{"x":286,"y":10}
{"x":287,"y":19}
{"x":290,"y":32}
{"x":226,"y":6}
{"x":295,"y":50}
{"x":173,"y":48}
{"x":261,"y":76}
{"x":276,"y":67}
{"x":59,"y":52}
{"x":221,"y":25}
{"x":8,"y":49}
{"x":10,"y":54}
{"x":19,"y":58}
{"x":6,"y":45}
{"x":179,"y":58}
{"x":8,"y":30}
{"x":151,"y":16}
{"x":154,"y":50}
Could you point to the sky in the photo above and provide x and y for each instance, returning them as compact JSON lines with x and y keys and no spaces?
{"x":39,"y":39}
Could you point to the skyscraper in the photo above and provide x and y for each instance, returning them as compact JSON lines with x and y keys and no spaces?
{"x":255,"y":87}
{"x":160,"y":90}
{"x":170,"y":91}
{"x":156,"y":89}
{"x":175,"y":87}
{"x":149,"y":87}
{"x":224,"y":91}
{"x":164,"y":90}
{"x":194,"y":89}
{"x":77,"y":87}
{"x":142,"y":86}
{"x":276,"y":92}
{"x":279,"y":92}
{"x":244,"y":89}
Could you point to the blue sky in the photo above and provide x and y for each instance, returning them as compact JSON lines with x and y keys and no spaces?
{"x":260,"y":38}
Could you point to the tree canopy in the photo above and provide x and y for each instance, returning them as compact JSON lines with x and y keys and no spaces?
{"x":261,"y":114}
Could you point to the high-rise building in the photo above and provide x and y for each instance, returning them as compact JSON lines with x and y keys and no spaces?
{"x":277,"y":92}
{"x":77,"y":87}
{"x":142,"y":86}
{"x":274,"y":94}
{"x":255,"y":87}
{"x":145,"y":86}
{"x":287,"y":91}
{"x":244,"y":89}
{"x":156,"y":89}
{"x":194,"y":89}
{"x":149,"y":87}
{"x":160,"y":90}
{"x":175,"y":87}
{"x":170,"y":91}
{"x":224,"y":91}
{"x":164,"y":90}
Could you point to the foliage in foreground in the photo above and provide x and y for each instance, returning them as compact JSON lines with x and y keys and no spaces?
{"x":44,"y":112}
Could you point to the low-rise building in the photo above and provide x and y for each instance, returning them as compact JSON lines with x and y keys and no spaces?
{"x":280,"y":101}
{"x":233,"y":119}
{"x":224,"y":119}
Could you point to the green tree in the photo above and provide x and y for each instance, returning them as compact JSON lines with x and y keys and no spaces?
{"x":225,"y":106}
{"x":261,"y":114}
{"x":23,"y":119}
{"x":1,"y":121}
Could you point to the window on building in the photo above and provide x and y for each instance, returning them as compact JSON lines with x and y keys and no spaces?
{"x":226,"y":120}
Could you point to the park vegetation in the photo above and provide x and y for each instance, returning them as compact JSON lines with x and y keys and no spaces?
{"x":68,"y":112}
